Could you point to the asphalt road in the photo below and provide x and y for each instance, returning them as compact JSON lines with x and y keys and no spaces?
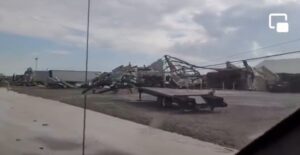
{"x":32,"y":125}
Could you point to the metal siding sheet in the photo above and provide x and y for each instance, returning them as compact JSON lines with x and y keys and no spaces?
{"x":173,"y":92}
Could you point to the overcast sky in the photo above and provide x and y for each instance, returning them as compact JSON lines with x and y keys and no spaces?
{"x":139,"y":31}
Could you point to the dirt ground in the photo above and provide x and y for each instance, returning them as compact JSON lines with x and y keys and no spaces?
{"x":248,"y":115}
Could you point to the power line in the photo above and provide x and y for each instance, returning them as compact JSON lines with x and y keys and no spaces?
{"x":255,"y":58}
{"x":86,"y":77}
{"x":261,"y":48}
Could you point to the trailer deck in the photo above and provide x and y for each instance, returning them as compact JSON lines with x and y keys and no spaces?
{"x":185,"y":98}
{"x":170,"y":92}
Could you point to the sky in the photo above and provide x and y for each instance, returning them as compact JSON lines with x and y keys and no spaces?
{"x":201,"y":32}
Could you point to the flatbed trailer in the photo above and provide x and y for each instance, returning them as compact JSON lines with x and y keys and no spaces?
{"x":185,"y":98}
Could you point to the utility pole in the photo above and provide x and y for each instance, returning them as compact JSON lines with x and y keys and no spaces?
{"x":86,"y":75}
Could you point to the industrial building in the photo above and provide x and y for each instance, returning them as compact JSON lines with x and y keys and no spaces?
{"x":287,"y":72}
{"x":288,"y":66}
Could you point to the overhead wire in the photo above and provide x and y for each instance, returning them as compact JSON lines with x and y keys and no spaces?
{"x":261,"y":48}
{"x":254,"y":58}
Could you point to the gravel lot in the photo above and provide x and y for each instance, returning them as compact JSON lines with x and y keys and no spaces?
{"x":248,"y":115}
{"x":36,"y":126}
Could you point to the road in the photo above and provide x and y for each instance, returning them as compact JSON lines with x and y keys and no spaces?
{"x":32,"y":125}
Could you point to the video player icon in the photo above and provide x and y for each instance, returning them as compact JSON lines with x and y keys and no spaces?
{"x":281,"y":27}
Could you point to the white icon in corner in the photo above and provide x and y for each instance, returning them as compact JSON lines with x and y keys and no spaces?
{"x":281,"y":27}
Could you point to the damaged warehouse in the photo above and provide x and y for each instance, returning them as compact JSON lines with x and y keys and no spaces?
{"x":231,"y":77}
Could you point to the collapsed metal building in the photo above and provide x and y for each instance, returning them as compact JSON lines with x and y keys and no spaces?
{"x":172,"y":72}
{"x":165,"y":72}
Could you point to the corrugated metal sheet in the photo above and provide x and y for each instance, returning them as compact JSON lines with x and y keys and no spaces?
{"x":290,"y":66}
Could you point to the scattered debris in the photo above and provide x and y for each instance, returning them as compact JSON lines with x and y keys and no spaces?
{"x":23,"y":80}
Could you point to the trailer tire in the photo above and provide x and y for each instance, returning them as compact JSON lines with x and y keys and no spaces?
{"x":168,"y":102}
{"x":165,"y":102}
{"x":211,"y":108}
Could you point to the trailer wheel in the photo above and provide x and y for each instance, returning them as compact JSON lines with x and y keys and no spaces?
{"x":193,"y":106}
{"x":191,"y":103}
{"x":212,"y":108}
{"x":165,"y":102}
{"x":168,"y":102}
